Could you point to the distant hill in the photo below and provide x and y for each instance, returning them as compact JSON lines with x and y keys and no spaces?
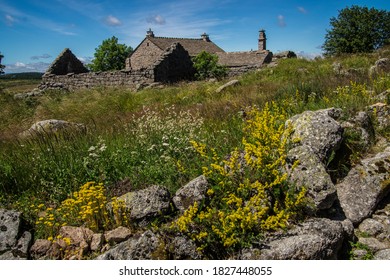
{"x":22,"y":76}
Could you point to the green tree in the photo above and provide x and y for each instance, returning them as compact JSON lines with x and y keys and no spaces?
{"x":206,"y":66}
{"x":1,"y":65}
{"x":110,"y":55}
{"x":357,"y":30}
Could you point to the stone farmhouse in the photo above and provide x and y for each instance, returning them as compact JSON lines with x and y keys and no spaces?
{"x":155,"y":59}
{"x":152,"y":48}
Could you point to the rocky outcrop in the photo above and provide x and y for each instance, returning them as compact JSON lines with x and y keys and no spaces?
{"x":316,"y":135}
{"x":14,"y":245}
{"x":184,"y":249}
{"x":321,"y":191}
{"x":361,"y":125}
{"x":147,"y":203}
{"x":373,"y":235}
{"x":381,"y":113}
{"x":48,"y":127}
{"x":318,"y":130}
{"x":140,"y":247}
{"x":315,"y":239}
{"x":381,"y":66}
{"x":365,"y":186}
{"x":117,"y":235}
{"x":194,"y":191}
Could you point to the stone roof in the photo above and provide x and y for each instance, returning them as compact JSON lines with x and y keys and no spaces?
{"x":66,"y":63}
{"x":193,"y":46}
{"x":250,"y":58}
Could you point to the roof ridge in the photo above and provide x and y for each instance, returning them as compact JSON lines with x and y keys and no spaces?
{"x":198,"y":39}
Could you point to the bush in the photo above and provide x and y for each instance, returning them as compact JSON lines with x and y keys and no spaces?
{"x":249,"y":193}
{"x":206,"y":66}
{"x":87,"y":207}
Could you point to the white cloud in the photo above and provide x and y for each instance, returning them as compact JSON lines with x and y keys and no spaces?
{"x":112,"y":21}
{"x":308,"y":55}
{"x":156,"y":19}
{"x":281,"y":21}
{"x":20,"y":67}
{"x":10,"y":20}
{"x":85,"y":60}
{"x":20,"y":64}
{"x":302,"y":10}
{"x":44,"y":56}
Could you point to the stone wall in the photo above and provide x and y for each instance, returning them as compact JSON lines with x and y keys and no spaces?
{"x":71,"y":81}
{"x":174,"y":65}
{"x":242,"y":62}
{"x":145,"y":55}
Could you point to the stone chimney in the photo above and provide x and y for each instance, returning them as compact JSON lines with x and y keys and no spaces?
{"x":262,"y":40}
{"x":205,"y":37}
{"x":149,"y":33}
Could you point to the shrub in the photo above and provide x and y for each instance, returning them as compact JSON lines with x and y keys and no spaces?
{"x":87,"y":207}
{"x":249,"y":192}
{"x":206,"y":66}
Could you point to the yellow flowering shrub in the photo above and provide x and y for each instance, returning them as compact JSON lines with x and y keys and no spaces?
{"x":249,"y":191}
{"x":87,"y":207}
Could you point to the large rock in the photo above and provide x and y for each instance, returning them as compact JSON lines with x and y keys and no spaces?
{"x":227,"y":85}
{"x":9,"y":229}
{"x":117,"y":235}
{"x":365,"y":186}
{"x":315,"y":239}
{"x":318,"y":130}
{"x":23,"y":245}
{"x":381,"y":65}
{"x":48,"y":127}
{"x":382,"y":255}
{"x":194,"y":191}
{"x":373,"y":244}
{"x":381,"y":112}
{"x":43,"y":249}
{"x":147,"y":203}
{"x":311,"y":174}
{"x":136,"y":248}
{"x":371,"y":227}
{"x":80,"y":239}
{"x":184,"y":249}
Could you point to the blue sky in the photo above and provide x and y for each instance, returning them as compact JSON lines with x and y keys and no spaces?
{"x":34,"y":32}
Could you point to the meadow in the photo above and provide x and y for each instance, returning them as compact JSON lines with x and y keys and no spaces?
{"x":154,"y":136}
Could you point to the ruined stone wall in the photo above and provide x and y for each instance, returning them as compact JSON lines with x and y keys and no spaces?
{"x":71,"y":81}
{"x":65,"y":63}
{"x":239,"y":70}
{"x":145,"y":55}
{"x":174,"y":65}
